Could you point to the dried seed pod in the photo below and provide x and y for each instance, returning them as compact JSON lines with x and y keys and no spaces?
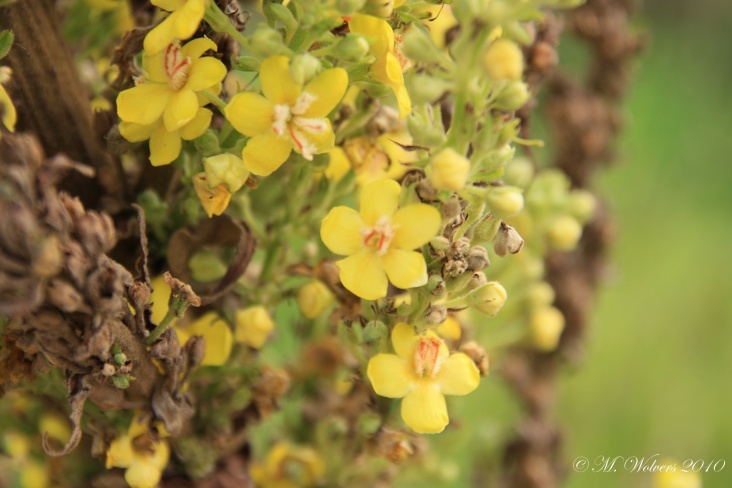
{"x":508,"y":240}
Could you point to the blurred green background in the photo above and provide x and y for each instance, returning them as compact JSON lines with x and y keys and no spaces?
{"x":657,"y":375}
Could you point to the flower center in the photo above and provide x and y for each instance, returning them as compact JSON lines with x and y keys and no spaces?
{"x":289,"y":122}
{"x":427,"y":361}
{"x":379,"y":236}
{"x":177,"y":66}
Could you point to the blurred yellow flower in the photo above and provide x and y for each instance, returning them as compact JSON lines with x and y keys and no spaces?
{"x":253,"y":326}
{"x":449,"y":329}
{"x":288,"y":466}
{"x":422,"y":372}
{"x":287,"y":117}
{"x":216,"y":334}
{"x":144,"y":458}
{"x":313,"y":298}
{"x":382,"y":157}
{"x":7,"y":109}
{"x":676,"y":479}
{"x":546,"y":325}
{"x":379,"y":241}
{"x":180,"y":24}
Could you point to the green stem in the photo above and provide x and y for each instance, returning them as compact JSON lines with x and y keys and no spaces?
{"x":162,"y":327}
{"x":220,"y":22}
{"x":220,"y":104}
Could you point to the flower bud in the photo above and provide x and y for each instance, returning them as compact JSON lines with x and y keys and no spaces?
{"x":313,"y":298}
{"x":581,"y":205}
{"x":435,"y":314}
{"x":207,"y":143}
{"x":546,"y":325}
{"x":436,"y":285}
{"x":245,"y":63}
{"x":418,"y":46}
{"x":439,"y":243}
{"x":486,"y":229}
{"x":505,"y":200}
{"x":351,"y":47}
{"x":477,"y":258}
{"x":379,"y":8}
{"x":349,"y":7}
{"x":476,"y":352}
{"x":226,"y":169}
{"x":267,"y":40}
{"x":214,"y":200}
{"x":504,"y":60}
{"x":508,"y":240}
{"x":449,"y":170}
{"x":519,"y":172}
{"x":425,"y":131}
{"x":563,"y":233}
{"x":540,"y":294}
{"x":303,"y":68}
{"x":488,"y":299}
{"x":512,"y":96}
{"x":477,"y":280}
{"x":253,"y":325}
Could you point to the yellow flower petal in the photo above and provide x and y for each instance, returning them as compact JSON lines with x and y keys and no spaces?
{"x":363,"y":275}
{"x":329,"y":88}
{"x":250,"y":113}
{"x":214,"y":200}
{"x":265,"y":153}
{"x":390,"y":375}
{"x":323,"y":141}
{"x":341,"y":231}
{"x":164,"y":146}
{"x":424,"y":409}
{"x":449,"y":329}
{"x":205,"y":73}
{"x":217,"y":335}
{"x":404,"y":340}
{"x":169,"y":5}
{"x":415,"y":225}
{"x":180,"y":110}
{"x":197,"y":126}
{"x":404,"y":102}
{"x":378,"y":199}
{"x":458,"y":375}
{"x":137,"y":132}
{"x":160,"y":37}
{"x":380,"y":34}
{"x":338,"y":165}
{"x":195,"y":48}
{"x":313,"y":298}
{"x":143,"y":474}
{"x":253,"y":326}
{"x":277,"y":85}
{"x":159,"y":298}
{"x":120,"y":453}
{"x":143,"y":104}
{"x":154,"y":67}
{"x":10,"y":116}
{"x":405,"y":269}
{"x":187,"y":18}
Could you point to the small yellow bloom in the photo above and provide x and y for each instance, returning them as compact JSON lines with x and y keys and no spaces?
{"x":676,"y":479}
{"x":7,"y":109}
{"x":374,"y":159}
{"x":313,"y":298}
{"x":390,"y":63}
{"x":449,"y":170}
{"x":181,"y":24}
{"x":172,"y":84}
{"x":227,"y":170}
{"x":253,"y":326}
{"x":144,"y":458}
{"x":422,"y":372}
{"x":288,"y":116}
{"x":338,"y":164}
{"x":56,"y":426}
{"x":504,"y":60}
{"x":214,"y":200}
{"x":288,"y":466}
{"x":379,"y":241}
{"x":215,"y":332}
{"x":563,"y":233}
{"x":546,"y":325}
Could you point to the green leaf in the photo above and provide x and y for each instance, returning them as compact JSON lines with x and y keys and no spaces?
{"x":6,"y":41}
{"x":6,"y":2}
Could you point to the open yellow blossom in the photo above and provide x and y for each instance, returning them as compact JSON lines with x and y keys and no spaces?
{"x":173,"y":78}
{"x":422,"y":372}
{"x":389,"y":65}
{"x":253,"y":326}
{"x":180,"y":24}
{"x":215,"y":332}
{"x":379,"y":241}
{"x":7,"y":109}
{"x":287,"y":117}
{"x":374,"y":159}
{"x":144,"y":458}
{"x":214,"y":200}
{"x":288,"y":466}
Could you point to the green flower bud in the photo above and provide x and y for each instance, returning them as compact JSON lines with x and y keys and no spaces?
{"x":267,"y":41}
{"x":424,"y":88}
{"x":208,"y":143}
{"x":581,"y":205}
{"x":505,"y":200}
{"x":379,"y":8}
{"x":245,"y":63}
{"x":488,"y":299}
{"x":512,"y":96}
{"x":303,"y":68}
{"x":439,"y":243}
{"x":503,"y":60}
{"x":225,"y":169}
{"x":540,"y":294}
{"x":563,"y":233}
{"x":120,"y":359}
{"x":417,"y":45}
{"x":425,"y":132}
{"x":546,"y":325}
{"x":280,"y":13}
{"x":449,"y":170}
{"x":351,"y":47}
{"x":375,"y":332}
{"x":121,"y":381}
{"x":486,"y":229}
{"x":519,"y":172}
{"x":349,"y":7}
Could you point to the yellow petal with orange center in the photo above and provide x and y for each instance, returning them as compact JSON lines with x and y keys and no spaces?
{"x":164,"y":146}
{"x":405,"y":269}
{"x":363,"y":275}
{"x":458,"y":375}
{"x":341,"y":231}
{"x":137,"y":132}
{"x":197,"y":126}
{"x":404,"y":340}
{"x":180,"y":110}
{"x":187,"y":18}
{"x":390,"y":375}
{"x":195,"y":48}
{"x":378,"y":199}
{"x":277,"y":85}
{"x":143,"y":104}
{"x":323,"y":141}
{"x":158,"y":39}
{"x":265,"y":153}
{"x":415,"y":225}
{"x":424,"y":409}
{"x":328,"y":89}
{"x":250,"y":113}
{"x":205,"y":73}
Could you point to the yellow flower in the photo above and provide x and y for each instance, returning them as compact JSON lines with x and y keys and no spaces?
{"x":253,"y":326}
{"x":226,"y":169}
{"x":449,"y":170}
{"x":7,"y":109}
{"x":215,"y":332}
{"x":214,"y":200}
{"x":379,"y":241}
{"x":450,"y":329}
{"x":374,"y":159}
{"x":504,"y":60}
{"x":181,"y":24}
{"x":173,"y":78}
{"x":676,"y":479}
{"x":390,"y":63}
{"x":144,"y":458}
{"x":546,"y":325}
{"x":313,"y":298}
{"x":287,"y":117}
{"x":422,"y":372}
{"x":288,"y":466}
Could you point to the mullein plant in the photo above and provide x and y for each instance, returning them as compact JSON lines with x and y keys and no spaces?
{"x":370,"y":148}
